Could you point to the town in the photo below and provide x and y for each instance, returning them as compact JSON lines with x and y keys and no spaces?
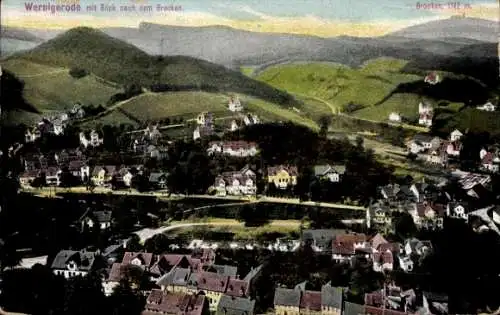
{"x":367,"y":241}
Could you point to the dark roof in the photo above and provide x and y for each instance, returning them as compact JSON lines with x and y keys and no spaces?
{"x":287,"y":297}
{"x":145,"y":258}
{"x":322,"y":237}
{"x":159,"y":302}
{"x":157,"y":176}
{"x":291,"y":170}
{"x":322,"y":170}
{"x":84,"y":260}
{"x":176,"y":276}
{"x":332,"y":296}
{"x":229,"y":305}
{"x":254,"y":272}
{"x":102,"y":216}
{"x":422,"y":137}
{"x":211,"y":281}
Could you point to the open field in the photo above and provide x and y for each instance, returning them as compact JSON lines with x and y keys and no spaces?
{"x":51,"y":88}
{"x":339,"y":84}
{"x":238,"y":229}
{"x":154,"y":106}
{"x":113,"y":118}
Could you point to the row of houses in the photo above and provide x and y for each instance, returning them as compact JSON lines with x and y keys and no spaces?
{"x":244,"y":181}
{"x":53,"y":124}
{"x":206,"y":124}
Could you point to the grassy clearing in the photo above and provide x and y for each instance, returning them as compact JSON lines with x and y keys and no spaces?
{"x":113,"y":118}
{"x":404,"y":104}
{"x":219,"y":225}
{"x":50,"y":88}
{"x":339,"y":84}
{"x":270,"y":111}
{"x":154,"y":106}
{"x":247,"y":70}
{"x":314,"y":108}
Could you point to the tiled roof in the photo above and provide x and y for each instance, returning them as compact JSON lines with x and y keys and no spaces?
{"x":374,"y":299}
{"x":173,"y":303}
{"x":165,"y":263}
{"x":145,"y":258}
{"x":226,"y":270}
{"x":287,"y":297}
{"x":377,"y":240}
{"x":176,"y":276}
{"x":102,"y":216}
{"x":229,"y":305}
{"x":311,"y":300}
{"x":384,"y":257}
{"x":392,"y":247}
{"x":351,"y":237}
{"x":211,"y":281}
{"x":115,"y":274}
{"x":76,"y":165}
{"x":252,"y":273}
{"x":291,"y":170}
{"x":237,"y":145}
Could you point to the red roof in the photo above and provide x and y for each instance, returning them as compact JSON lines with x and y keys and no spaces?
{"x":212,"y":281}
{"x":145,"y":258}
{"x":291,"y":170}
{"x":173,"y":303}
{"x":311,"y":300}
{"x":354,"y":238}
{"x":393,"y":247}
{"x":115,"y":274}
{"x":383,"y":257}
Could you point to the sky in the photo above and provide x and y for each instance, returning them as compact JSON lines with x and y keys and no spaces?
{"x":312,"y":17}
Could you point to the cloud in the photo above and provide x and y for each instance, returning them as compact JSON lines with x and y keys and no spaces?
{"x":306,"y":24}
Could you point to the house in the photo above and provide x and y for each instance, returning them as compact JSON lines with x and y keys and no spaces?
{"x":437,"y":155}
{"x":251,"y":119}
{"x":27,"y":177}
{"x":93,"y":141}
{"x":422,"y":142}
{"x":425,"y":112}
{"x":125,"y":176}
{"x":379,"y":214}
{"x":243,"y":182}
{"x":52,"y":176}
{"x":345,"y":246}
{"x":428,"y":214}
{"x":390,"y":300}
{"x":320,"y":239}
{"x":204,"y":119}
{"x":58,"y":127}
{"x":234,"y":104}
{"x":432,"y":78}
{"x":31,"y":135}
{"x":102,"y":219}
{"x":233,"y":148}
{"x":488,"y":107}
{"x":456,"y":135}
{"x":69,"y":263}
{"x":453,"y":148}
{"x":77,"y":111}
{"x":230,"y":305}
{"x":79,"y":169}
{"x":332,"y":173}
{"x":300,"y":301}
{"x":103,"y":174}
{"x":458,"y":210}
{"x":152,"y":133}
{"x":488,"y":162}
{"x":163,"y":303}
{"x":202,"y":131}
{"x":416,"y":247}
{"x":383,"y":253}
{"x":282,"y":176}
{"x":395,"y":117}
{"x":158,"y":180}
{"x":234,"y":126}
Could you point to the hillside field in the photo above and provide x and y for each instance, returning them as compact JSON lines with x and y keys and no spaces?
{"x":50,"y":88}
{"x":340,"y":85}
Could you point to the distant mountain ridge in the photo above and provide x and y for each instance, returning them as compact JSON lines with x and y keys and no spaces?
{"x":121,"y":62}
{"x":471,"y":28}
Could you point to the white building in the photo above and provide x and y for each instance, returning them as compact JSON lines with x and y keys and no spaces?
{"x":233,"y":148}
{"x":395,"y":117}
{"x":234,"y":126}
{"x":251,"y":119}
{"x":69,"y":263}
{"x":94,"y":140}
{"x":432,"y":78}
{"x":235,"y":104}
{"x":425,"y":112}
{"x":455,"y":135}
{"x":488,"y":107}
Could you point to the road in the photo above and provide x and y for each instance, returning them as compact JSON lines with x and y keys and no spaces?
{"x":52,"y":191}
{"x":43,"y":74}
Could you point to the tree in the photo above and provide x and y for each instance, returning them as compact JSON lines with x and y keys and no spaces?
{"x":405,"y":226}
{"x":78,"y":73}
{"x":125,"y":300}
